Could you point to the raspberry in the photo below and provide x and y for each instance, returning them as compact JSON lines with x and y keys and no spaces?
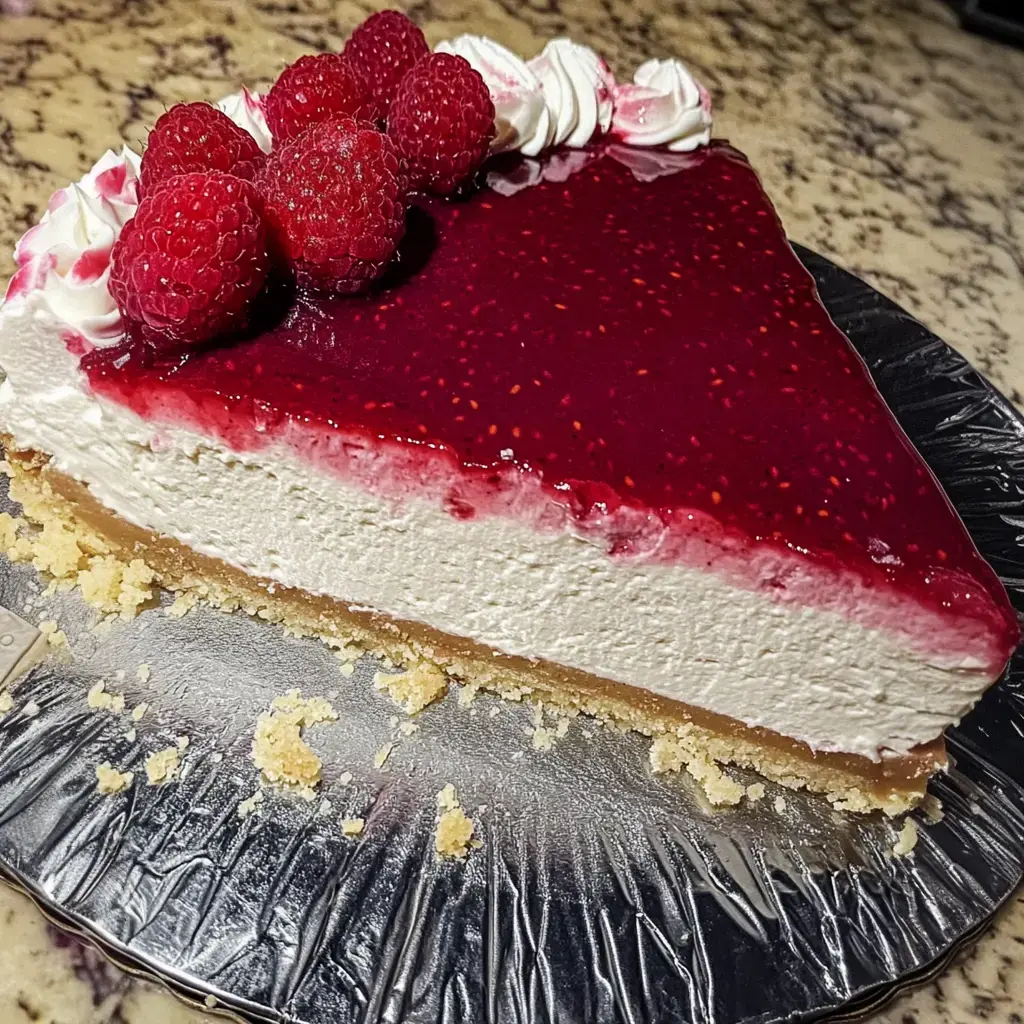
{"x":333,"y":204}
{"x":442,"y":121}
{"x":382,"y":49}
{"x":314,"y":89}
{"x":197,"y":137}
{"x":188,"y":265}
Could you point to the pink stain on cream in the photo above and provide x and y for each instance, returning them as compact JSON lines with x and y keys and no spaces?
{"x":66,"y":257}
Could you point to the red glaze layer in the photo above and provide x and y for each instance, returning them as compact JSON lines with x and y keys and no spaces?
{"x":636,"y":345}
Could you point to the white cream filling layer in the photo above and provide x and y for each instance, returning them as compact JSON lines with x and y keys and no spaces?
{"x":678,"y":631}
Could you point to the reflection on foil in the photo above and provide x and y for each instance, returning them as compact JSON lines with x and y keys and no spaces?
{"x":600,"y":894}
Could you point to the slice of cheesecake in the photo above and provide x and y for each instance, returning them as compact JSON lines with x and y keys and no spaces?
{"x":593,"y":440}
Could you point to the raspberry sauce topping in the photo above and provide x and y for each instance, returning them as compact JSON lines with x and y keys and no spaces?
{"x":648,"y":344}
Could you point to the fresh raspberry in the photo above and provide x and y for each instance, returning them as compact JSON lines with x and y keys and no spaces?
{"x":197,"y":137}
{"x":188,"y":265}
{"x":442,"y":121}
{"x":314,"y":89}
{"x":333,"y":204}
{"x":382,"y":49}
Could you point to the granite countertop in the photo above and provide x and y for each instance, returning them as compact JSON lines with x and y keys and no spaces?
{"x":890,"y":141}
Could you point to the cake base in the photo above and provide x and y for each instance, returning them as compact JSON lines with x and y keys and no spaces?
{"x":686,"y":737}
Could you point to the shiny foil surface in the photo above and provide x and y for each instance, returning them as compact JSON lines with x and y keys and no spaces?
{"x":600,"y":893}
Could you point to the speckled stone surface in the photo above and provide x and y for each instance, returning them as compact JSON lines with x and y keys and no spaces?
{"x":890,"y":141}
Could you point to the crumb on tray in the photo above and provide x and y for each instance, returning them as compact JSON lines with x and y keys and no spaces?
{"x":162,"y":765}
{"x":55,"y":636}
{"x":109,"y":780}
{"x":352,"y":827}
{"x":454,"y":832}
{"x":99,"y":699}
{"x":279,"y":750}
{"x":250,"y":805}
{"x":907,"y":838}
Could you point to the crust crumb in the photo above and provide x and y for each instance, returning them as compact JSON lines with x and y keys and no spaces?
{"x":143,"y":672}
{"x":99,"y":700}
{"x":113,"y":587}
{"x":780,"y":804}
{"x":162,"y":765}
{"x":454,"y":832}
{"x":279,"y":750}
{"x":250,"y":805}
{"x":72,"y":554}
{"x":139,"y":711}
{"x":182,"y":604}
{"x":907,"y":838}
{"x":352,"y":827}
{"x":382,"y":755}
{"x":414,"y":689}
{"x":55,"y":636}
{"x":6,"y":703}
{"x":407,"y":728}
{"x":672,"y":753}
{"x":55,"y":550}
{"x":543,"y":738}
{"x":109,"y":780}
{"x":345,"y":778}
{"x":932,"y":807}
{"x":467,"y":694}
{"x":31,"y":709}
{"x":755,"y":792}
{"x":9,"y":530}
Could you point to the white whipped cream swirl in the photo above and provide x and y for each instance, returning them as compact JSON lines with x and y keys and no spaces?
{"x":578,"y":90}
{"x":522,"y":120}
{"x":666,"y":106}
{"x":245,"y":108}
{"x":66,"y":256}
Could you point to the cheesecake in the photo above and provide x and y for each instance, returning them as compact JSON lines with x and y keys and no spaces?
{"x":590,"y":438}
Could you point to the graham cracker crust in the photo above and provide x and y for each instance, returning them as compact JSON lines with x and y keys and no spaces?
{"x":685,"y":737}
